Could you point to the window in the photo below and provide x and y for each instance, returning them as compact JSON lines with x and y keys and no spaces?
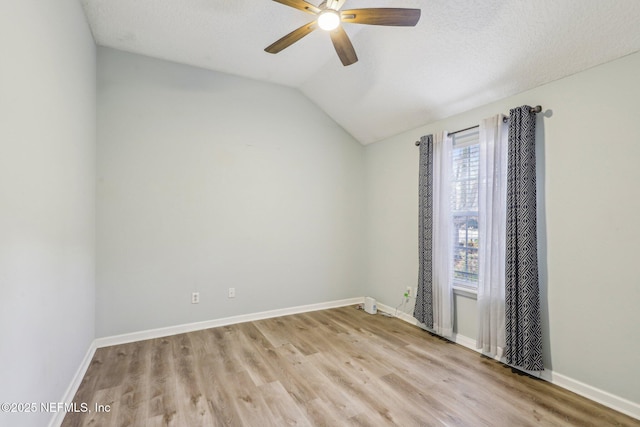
{"x":464,"y":208}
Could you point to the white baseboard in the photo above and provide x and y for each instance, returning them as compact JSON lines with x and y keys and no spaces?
{"x":398,"y":313}
{"x":189,"y":327}
{"x":603,"y":397}
{"x":58,"y":417}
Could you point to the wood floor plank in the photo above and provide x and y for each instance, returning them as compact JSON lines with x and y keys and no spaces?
{"x":254,"y":355}
{"x":280,"y":366}
{"x":325,"y":368}
{"x":107,"y":397}
{"x":135,"y":391}
{"x":321,"y":413}
{"x":162,"y":383}
{"x":210,"y":369}
{"x":283,"y":407}
{"x":347,"y":375}
{"x":252,"y":407}
{"x":340,"y":402}
{"x":189,"y":395}
{"x":275,"y":330}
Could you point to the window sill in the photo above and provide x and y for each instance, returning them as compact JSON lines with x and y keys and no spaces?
{"x":465,"y":292}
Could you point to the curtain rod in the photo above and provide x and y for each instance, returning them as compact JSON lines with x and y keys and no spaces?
{"x":534,"y":110}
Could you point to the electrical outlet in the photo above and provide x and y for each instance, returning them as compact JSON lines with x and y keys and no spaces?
{"x":195,"y":298}
{"x":232,"y":292}
{"x":409,"y":291}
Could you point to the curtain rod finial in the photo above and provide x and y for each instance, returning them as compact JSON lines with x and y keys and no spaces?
{"x":536,"y":109}
{"x":417,"y":143}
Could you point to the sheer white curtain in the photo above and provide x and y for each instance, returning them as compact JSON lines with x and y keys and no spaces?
{"x":442,"y":229}
{"x":492,"y":236}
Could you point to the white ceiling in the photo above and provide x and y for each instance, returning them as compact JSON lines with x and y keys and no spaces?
{"x":462,"y":54}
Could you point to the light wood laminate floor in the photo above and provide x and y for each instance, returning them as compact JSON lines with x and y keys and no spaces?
{"x":325,"y":368}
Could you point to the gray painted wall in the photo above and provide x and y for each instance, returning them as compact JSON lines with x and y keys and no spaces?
{"x":208,"y":181}
{"x":588,"y":149}
{"x":47,"y":203}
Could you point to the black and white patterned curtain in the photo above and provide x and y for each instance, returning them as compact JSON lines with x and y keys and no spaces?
{"x":522,"y":297}
{"x":423,"y":310}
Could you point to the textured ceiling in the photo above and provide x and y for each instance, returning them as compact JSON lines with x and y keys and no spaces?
{"x":462,"y":54}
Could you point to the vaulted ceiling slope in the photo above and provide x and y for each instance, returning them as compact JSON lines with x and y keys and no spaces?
{"x":461,"y":54}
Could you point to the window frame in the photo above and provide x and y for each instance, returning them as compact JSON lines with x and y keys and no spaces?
{"x":464,"y":139}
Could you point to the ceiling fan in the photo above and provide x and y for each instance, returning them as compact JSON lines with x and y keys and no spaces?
{"x":329,"y":17}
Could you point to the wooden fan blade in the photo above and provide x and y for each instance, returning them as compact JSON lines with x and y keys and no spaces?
{"x":382,"y":16}
{"x":343,"y":46}
{"x":300,"y":5}
{"x":291,"y":38}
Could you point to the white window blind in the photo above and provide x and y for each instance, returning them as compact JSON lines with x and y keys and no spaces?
{"x":464,"y":207}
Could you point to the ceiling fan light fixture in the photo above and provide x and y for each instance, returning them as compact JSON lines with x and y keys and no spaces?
{"x":329,"y":17}
{"x":329,"y":20}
